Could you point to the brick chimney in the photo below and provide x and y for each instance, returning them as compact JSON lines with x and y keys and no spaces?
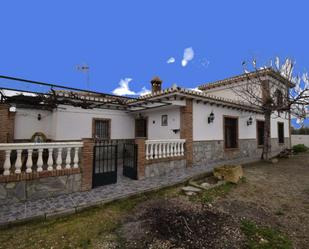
{"x":156,"y":84}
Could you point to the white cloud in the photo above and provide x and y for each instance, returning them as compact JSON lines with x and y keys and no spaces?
{"x":171,"y":60}
{"x":123,"y":88}
{"x":188,"y":55}
{"x":195,"y":89}
{"x":144,"y":91}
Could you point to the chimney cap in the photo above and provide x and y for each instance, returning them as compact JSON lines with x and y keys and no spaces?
{"x":156,"y":79}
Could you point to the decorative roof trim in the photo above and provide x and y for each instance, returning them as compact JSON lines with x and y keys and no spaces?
{"x":263,"y":72}
{"x":195,"y":94}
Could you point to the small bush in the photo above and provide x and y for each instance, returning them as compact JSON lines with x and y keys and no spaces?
{"x":300,"y":148}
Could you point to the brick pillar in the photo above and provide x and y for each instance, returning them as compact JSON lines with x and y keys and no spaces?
{"x":87,"y":163}
{"x":141,"y":157}
{"x":7,"y":121}
{"x":186,"y":130}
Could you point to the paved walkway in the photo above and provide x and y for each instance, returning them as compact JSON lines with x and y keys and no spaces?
{"x":71,"y":203}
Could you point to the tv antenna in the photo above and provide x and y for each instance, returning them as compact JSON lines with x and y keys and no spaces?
{"x":84,"y":69}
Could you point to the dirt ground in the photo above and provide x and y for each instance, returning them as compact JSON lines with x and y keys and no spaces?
{"x":177,"y":223}
{"x":271,"y":195}
{"x":276,"y":195}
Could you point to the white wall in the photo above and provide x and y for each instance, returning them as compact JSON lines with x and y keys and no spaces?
{"x":155,"y":130}
{"x":226,"y":93}
{"x":274,"y":125}
{"x":231,"y":92}
{"x":70,"y":123}
{"x":214,"y":131}
{"x":27,"y":123}
{"x":300,"y":139}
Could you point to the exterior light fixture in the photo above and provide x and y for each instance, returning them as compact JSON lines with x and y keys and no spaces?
{"x":211,"y":118}
{"x":249,"y":121}
{"x":39,"y":117}
{"x":12,"y":109}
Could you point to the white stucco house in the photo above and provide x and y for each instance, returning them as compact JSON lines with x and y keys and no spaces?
{"x":179,"y":127}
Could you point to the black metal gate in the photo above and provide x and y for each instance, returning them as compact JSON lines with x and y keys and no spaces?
{"x":104,"y":164}
{"x":130,"y":160}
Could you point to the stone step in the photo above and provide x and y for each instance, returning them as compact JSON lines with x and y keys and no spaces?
{"x":191,"y":189}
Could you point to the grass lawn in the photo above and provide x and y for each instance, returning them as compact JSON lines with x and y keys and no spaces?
{"x":92,"y":228}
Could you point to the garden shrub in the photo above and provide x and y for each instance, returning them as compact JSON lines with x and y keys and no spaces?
{"x":300,"y":148}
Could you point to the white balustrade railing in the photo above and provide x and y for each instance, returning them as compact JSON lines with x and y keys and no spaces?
{"x":37,"y":153}
{"x":156,"y":149}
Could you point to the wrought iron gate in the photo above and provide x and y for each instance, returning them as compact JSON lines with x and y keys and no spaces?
{"x":104,"y":164}
{"x":130,"y":160}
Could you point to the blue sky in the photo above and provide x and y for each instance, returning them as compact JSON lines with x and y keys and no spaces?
{"x":46,"y":40}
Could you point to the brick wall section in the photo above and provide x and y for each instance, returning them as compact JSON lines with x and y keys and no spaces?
{"x":186,"y":130}
{"x":87,"y":163}
{"x":36,"y":175}
{"x":141,"y":157}
{"x":7,"y":120}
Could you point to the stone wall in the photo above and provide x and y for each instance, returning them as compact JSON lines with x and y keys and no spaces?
{"x":212,"y":152}
{"x":11,"y":192}
{"x":163,"y":167}
{"x":300,"y":139}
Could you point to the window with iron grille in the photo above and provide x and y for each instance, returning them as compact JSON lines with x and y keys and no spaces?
{"x":230,"y":132}
{"x":101,"y":129}
{"x":281,"y":133}
{"x":260,"y":132}
{"x":164,"y":120}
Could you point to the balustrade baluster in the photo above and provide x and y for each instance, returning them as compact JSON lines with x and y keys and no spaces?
{"x":164,"y":150}
{"x":29,"y":163}
{"x":68,"y":159}
{"x":76,"y":158}
{"x":155,"y":151}
{"x":167,"y":151}
{"x":40,"y":161}
{"x":59,"y":159}
{"x":172,"y":149}
{"x":18,"y":162}
{"x":151,"y":151}
{"x":50,"y":159}
{"x":7,"y":163}
{"x":182,"y":149}
{"x":160,"y":150}
{"x":147,"y":151}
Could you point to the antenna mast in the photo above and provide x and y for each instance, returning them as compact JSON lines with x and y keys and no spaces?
{"x":84,"y":69}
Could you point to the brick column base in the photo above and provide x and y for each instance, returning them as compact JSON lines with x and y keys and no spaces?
{"x":87,"y":163}
{"x":140,"y":157}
